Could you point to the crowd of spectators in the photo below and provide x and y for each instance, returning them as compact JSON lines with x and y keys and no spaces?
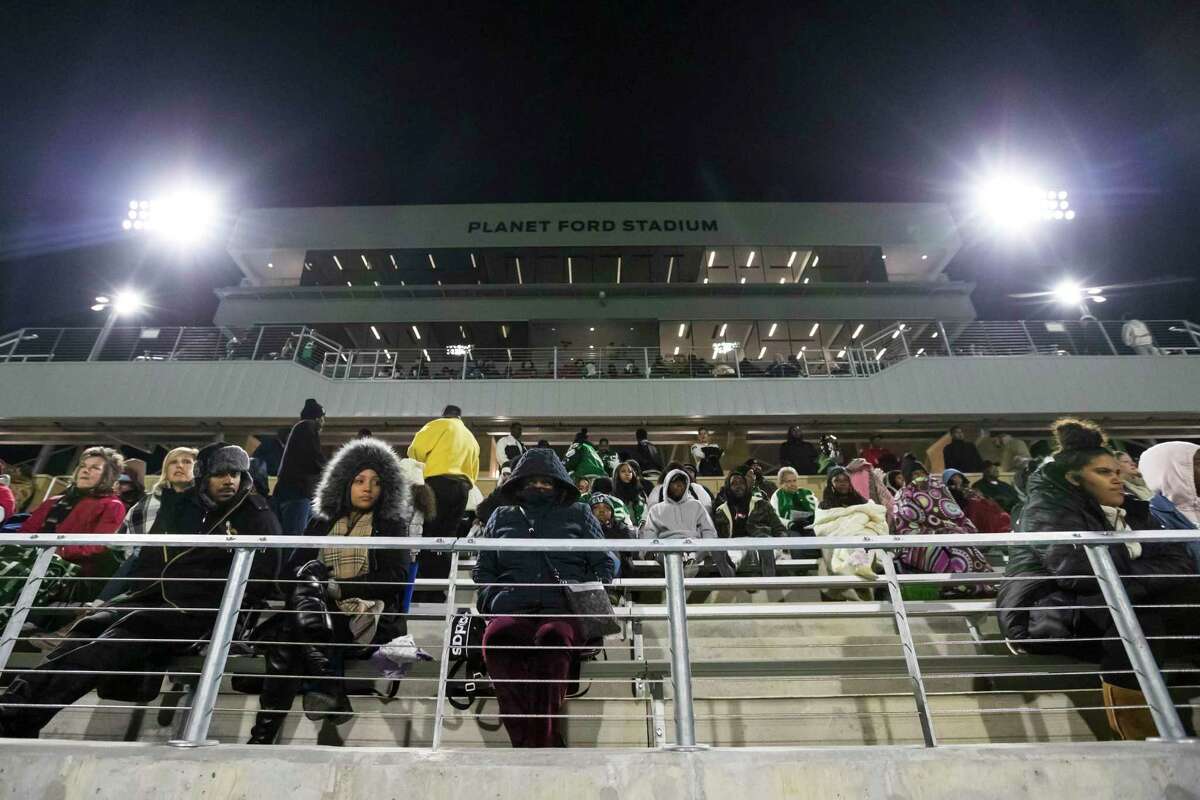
{"x":344,"y":602}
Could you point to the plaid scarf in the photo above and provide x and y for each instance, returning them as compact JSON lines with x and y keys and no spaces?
{"x":348,"y":562}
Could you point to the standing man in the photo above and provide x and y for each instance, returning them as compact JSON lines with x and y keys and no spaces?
{"x":451,"y":458}
{"x":300,"y":469}
{"x":510,"y":448}
{"x":961,"y":454}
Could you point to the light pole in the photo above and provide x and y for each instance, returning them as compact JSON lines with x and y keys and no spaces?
{"x":123,"y":303}
{"x":1069,"y":293}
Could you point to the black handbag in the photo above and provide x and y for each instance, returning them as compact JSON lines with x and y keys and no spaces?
{"x":589,"y":603}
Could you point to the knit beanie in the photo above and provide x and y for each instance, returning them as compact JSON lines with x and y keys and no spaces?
{"x":220,"y":458}
{"x":312,"y":409}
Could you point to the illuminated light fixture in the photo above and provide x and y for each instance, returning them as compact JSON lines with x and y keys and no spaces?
{"x":509,"y":351}
{"x":270,"y":265}
{"x":803,"y":348}
{"x":1070,"y":215}
{"x":813,"y":330}
{"x":591,"y":330}
{"x":1099,"y":298}
{"x":771,"y":332}
{"x":122,"y":304}
{"x":712,"y":256}
{"x":439,"y":283}
{"x":394,"y":264}
{"x":504,"y":331}
{"x":841,"y":354}
{"x":880,"y":354}
{"x":618,"y":269}
{"x":900,"y":326}
{"x":351,"y":285}
{"x":1068,"y":293}
{"x":432,"y":263}
{"x":743,"y":280}
{"x":750,"y":259}
{"x":402,"y":283}
{"x":816,"y":260}
{"x":476,"y":266}
{"x":884,"y":256}
{"x":1013,"y":203}
{"x":761,"y":352}
{"x":934,"y":336}
{"x":519,"y":278}
{"x":308,"y":266}
{"x":921,"y":351}
{"x":458,"y":350}
{"x":806,"y":280}
{"x":721,"y":348}
{"x":676,"y":351}
{"x":924,"y":257}
{"x":895,"y":334}
{"x":783,"y":280}
{"x":366,"y":263}
{"x":724,"y":327}
{"x":670,"y":267}
{"x":425,"y":353}
{"x":103,"y":299}
{"x":416,"y":332}
{"x":682,"y":328}
{"x":184,"y":217}
{"x":462,"y":332}
{"x":791,"y":259}
{"x":706,"y":280}
{"x":386,"y":354}
{"x":857,"y":331}
{"x":338,"y":261}
{"x":375,"y":333}
{"x":591,"y":347}
{"x":375,"y":282}
{"x":570,"y":271}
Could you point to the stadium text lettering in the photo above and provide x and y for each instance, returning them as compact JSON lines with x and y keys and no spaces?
{"x":590,"y":225}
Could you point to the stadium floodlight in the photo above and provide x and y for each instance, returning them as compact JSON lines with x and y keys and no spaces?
{"x":184,"y":216}
{"x":1013,"y":204}
{"x":121,"y":304}
{"x":1068,"y":293}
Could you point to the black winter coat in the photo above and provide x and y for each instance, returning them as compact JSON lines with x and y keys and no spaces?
{"x":566,"y":519}
{"x":302,"y":461}
{"x":800,"y":455}
{"x":1056,"y":505}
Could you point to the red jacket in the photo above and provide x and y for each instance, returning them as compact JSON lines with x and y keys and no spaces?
{"x":90,"y":515}
{"x":8,"y":503}
{"x":987,"y":514}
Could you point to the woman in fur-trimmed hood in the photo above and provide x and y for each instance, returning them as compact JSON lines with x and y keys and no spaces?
{"x":365,"y":490}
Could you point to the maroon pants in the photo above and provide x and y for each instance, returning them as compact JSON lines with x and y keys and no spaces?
{"x":535,"y":698}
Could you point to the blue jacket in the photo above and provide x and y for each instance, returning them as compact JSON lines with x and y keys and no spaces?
{"x":1168,"y":515}
{"x":566,"y":519}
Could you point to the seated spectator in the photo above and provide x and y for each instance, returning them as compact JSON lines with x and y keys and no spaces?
{"x":608,"y":456}
{"x":1131,"y":476}
{"x":627,"y":487}
{"x":756,"y":474}
{"x":604,"y":486}
{"x":990,"y":486}
{"x":1172,"y":471}
{"x":21,"y":483}
{"x":869,"y":482}
{"x":89,"y":505}
{"x":986,"y":515}
{"x":219,"y":504}
{"x":531,"y":684}
{"x":649,"y":459}
{"x":844,"y":512}
{"x":678,"y":515}
{"x":961,"y":454}
{"x":177,"y":470}
{"x":794,"y":505}
{"x":509,"y":448}
{"x":344,"y":595}
{"x":925,"y":506}
{"x":131,"y":485}
{"x":799,"y":454}
{"x":831,"y":454}
{"x":1080,"y":489}
{"x":604,"y":508}
{"x":8,"y":501}
{"x":706,"y":455}
{"x":745,"y":513}
{"x":895,"y":481}
{"x":694,"y":489}
{"x":699,"y":490}
{"x":582,"y":460}
{"x":876,"y":454}
{"x":1006,"y":451}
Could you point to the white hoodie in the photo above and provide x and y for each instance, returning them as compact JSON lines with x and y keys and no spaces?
{"x":1168,"y":468}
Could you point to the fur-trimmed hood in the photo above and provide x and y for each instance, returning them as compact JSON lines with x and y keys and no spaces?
{"x":402,"y":481}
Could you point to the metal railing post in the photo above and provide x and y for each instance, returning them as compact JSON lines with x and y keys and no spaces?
{"x":20,"y":611}
{"x":1029,"y":338}
{"x":1111,"y":348}
{"x":646,"y":360}
{"x":439,"y":714}
{"x":681,"y":664}
{"x":909,"y":648}
{"x":1191,"y":329}
{"x":102,"y":337}
{"x":464,"y":369}
{"x":945,"y":338}
{"x":257,"y":343}
{"x":1150,"y":679}
{"x":555,"y":373}
{"x":195,"y":729}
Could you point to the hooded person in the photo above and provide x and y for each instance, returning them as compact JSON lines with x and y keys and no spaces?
{"x":844,"y":512}
{"x":520,"y":595}
{"x":678,"y":515}
{"x":627,"y":487}
{"x":89,"y":505}
{"x":985,"y":514}
{"x":800,"y":455}
{"x":169,"y":610}
{"x":1172,"y":471}
{"x":604,"y":507}
{"x":869,"y":482}
{"x":694,"y":489}
{"x":745,"y":513}
{"x":1060,"y":609}
{"x":343,"y":595}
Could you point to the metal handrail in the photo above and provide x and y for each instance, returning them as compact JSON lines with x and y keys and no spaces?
{"x":195,"y":731}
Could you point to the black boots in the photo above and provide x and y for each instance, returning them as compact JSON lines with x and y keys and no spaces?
{"x":267,"y":725}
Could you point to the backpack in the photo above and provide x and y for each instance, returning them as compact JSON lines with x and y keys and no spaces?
{"x":466,"y":654}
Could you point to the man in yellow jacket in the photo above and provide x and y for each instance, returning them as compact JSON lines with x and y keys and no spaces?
{"x":451,"y":458}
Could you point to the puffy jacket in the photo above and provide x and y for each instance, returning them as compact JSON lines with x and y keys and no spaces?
{"x":1057,"y":505}
{"x":446,"y":447}
{"x":102,"y":514}
{"x":8,"y":501}
{"x":675,"y":518}
{"x":566,"y":519}
{"x":800,"y":455}
{"x":302,"y":462}
{"x":582,"y":461}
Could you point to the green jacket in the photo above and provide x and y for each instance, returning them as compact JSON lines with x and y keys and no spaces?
{"x":582,"y":461}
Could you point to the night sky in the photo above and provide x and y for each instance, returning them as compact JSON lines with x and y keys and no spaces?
{"x":351,"y":104}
